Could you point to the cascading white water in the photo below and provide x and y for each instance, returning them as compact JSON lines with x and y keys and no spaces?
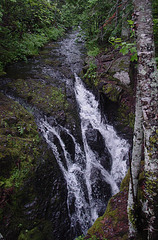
{"x":74,"y":174}
{"x":90,"y":114}
{"x":118,"y":148}
{"x":84,"y":171}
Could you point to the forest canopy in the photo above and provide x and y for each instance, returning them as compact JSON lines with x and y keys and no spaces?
{"x":26,"y":25}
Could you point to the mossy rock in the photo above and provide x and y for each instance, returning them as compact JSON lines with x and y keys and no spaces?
{"x":50,"y":99}
{"x":125,"y":115}
{"x":141,"y":183}
{"x":114,"y":223}
{"x":125,"y":181}
{"x":41,"y":232}
{"x":112,"y":91}
{"x":122,"y":63}
{"x":19,"y":142}
{"x":34,"y":234}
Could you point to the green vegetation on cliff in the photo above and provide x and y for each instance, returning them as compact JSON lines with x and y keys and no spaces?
{"x":25,"y":26}
{"x":24,"y":158}
{"x":19,"y":152}
{"x":19,"y":143}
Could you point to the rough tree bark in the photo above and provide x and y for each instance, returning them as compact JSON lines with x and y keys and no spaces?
{"x":135,"y":165}
{"x":147,"y":78}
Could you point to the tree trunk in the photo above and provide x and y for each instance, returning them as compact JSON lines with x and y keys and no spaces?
{"x":135,"y":166}
{"x":148,"y":79}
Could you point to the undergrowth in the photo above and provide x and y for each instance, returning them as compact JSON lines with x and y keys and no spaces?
{"x":15,"y":49}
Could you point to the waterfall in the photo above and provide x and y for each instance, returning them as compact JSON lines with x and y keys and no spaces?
{"x":91,"y":115}
{"x":92,"y":175}
{"x":93,"y":162}
{"x":73,"y":171}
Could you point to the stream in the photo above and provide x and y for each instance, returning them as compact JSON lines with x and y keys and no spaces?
{"x":91,"y":156}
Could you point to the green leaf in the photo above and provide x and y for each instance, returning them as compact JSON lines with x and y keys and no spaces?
{"x":134,"y":58}
{"x":130,"y":22}
{"x":133,"y":50}
{"x":124,"y":50}
{"x":117,"y":46}
{"x":123,"y":43}
{"x":118,"y":40}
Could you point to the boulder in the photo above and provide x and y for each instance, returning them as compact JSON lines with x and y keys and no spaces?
{"x":97,"y":144}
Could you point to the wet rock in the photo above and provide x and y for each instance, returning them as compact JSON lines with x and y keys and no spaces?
{"x":51,"y":121}
{"x":57,"y":144}
{"x":101,"y":190}
{"x":97,"y":144}
{"x":1,"y":237}
{"x":95,"y":139}
{"x":69,"y":144}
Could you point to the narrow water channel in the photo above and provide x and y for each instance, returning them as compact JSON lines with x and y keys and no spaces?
{"x":94,"y":163}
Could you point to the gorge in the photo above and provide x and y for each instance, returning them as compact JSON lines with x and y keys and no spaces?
{"x":91,"y":158}
{"x":78,"y":112}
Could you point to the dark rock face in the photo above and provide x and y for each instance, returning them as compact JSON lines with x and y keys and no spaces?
{"x":97,"y":144}
{"x":39,"y":209}
{"x":69,"y":144}
{"x":101,"y":191}
{"x":52,"y":200}
{"x":94,"y":139}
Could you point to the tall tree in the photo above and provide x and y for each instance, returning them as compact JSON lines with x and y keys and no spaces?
{"x":147,"y":99}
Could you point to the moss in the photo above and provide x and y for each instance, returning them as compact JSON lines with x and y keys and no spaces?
{"x":19,"y":146}
{"x":110,"y":220}
{"x":141,"y":182}
{"x":97,"y":227}
{"x":20,"y":157}
{"x":132,"y":217}
{"x":151,"y":182}
{"x":154,"y":141}
{"x":49,"y":99}
{"x":125,"y":181}
{"x":125,"y":116}
{"x":34,"y":234}
{"x":123,"y":64}
{"x":41,"y":232}
{"x":22,"y":154}
{"x":112,"y":91}
{"x":114,"y":223}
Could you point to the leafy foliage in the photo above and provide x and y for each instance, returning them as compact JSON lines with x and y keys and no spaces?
{"x":98,"y":19}
{"x":128,"y":46}
{"x":26,"y":25}
{"x":125,"y":47}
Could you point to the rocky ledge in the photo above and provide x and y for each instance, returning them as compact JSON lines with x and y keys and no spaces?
{"x":112,"y":76}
